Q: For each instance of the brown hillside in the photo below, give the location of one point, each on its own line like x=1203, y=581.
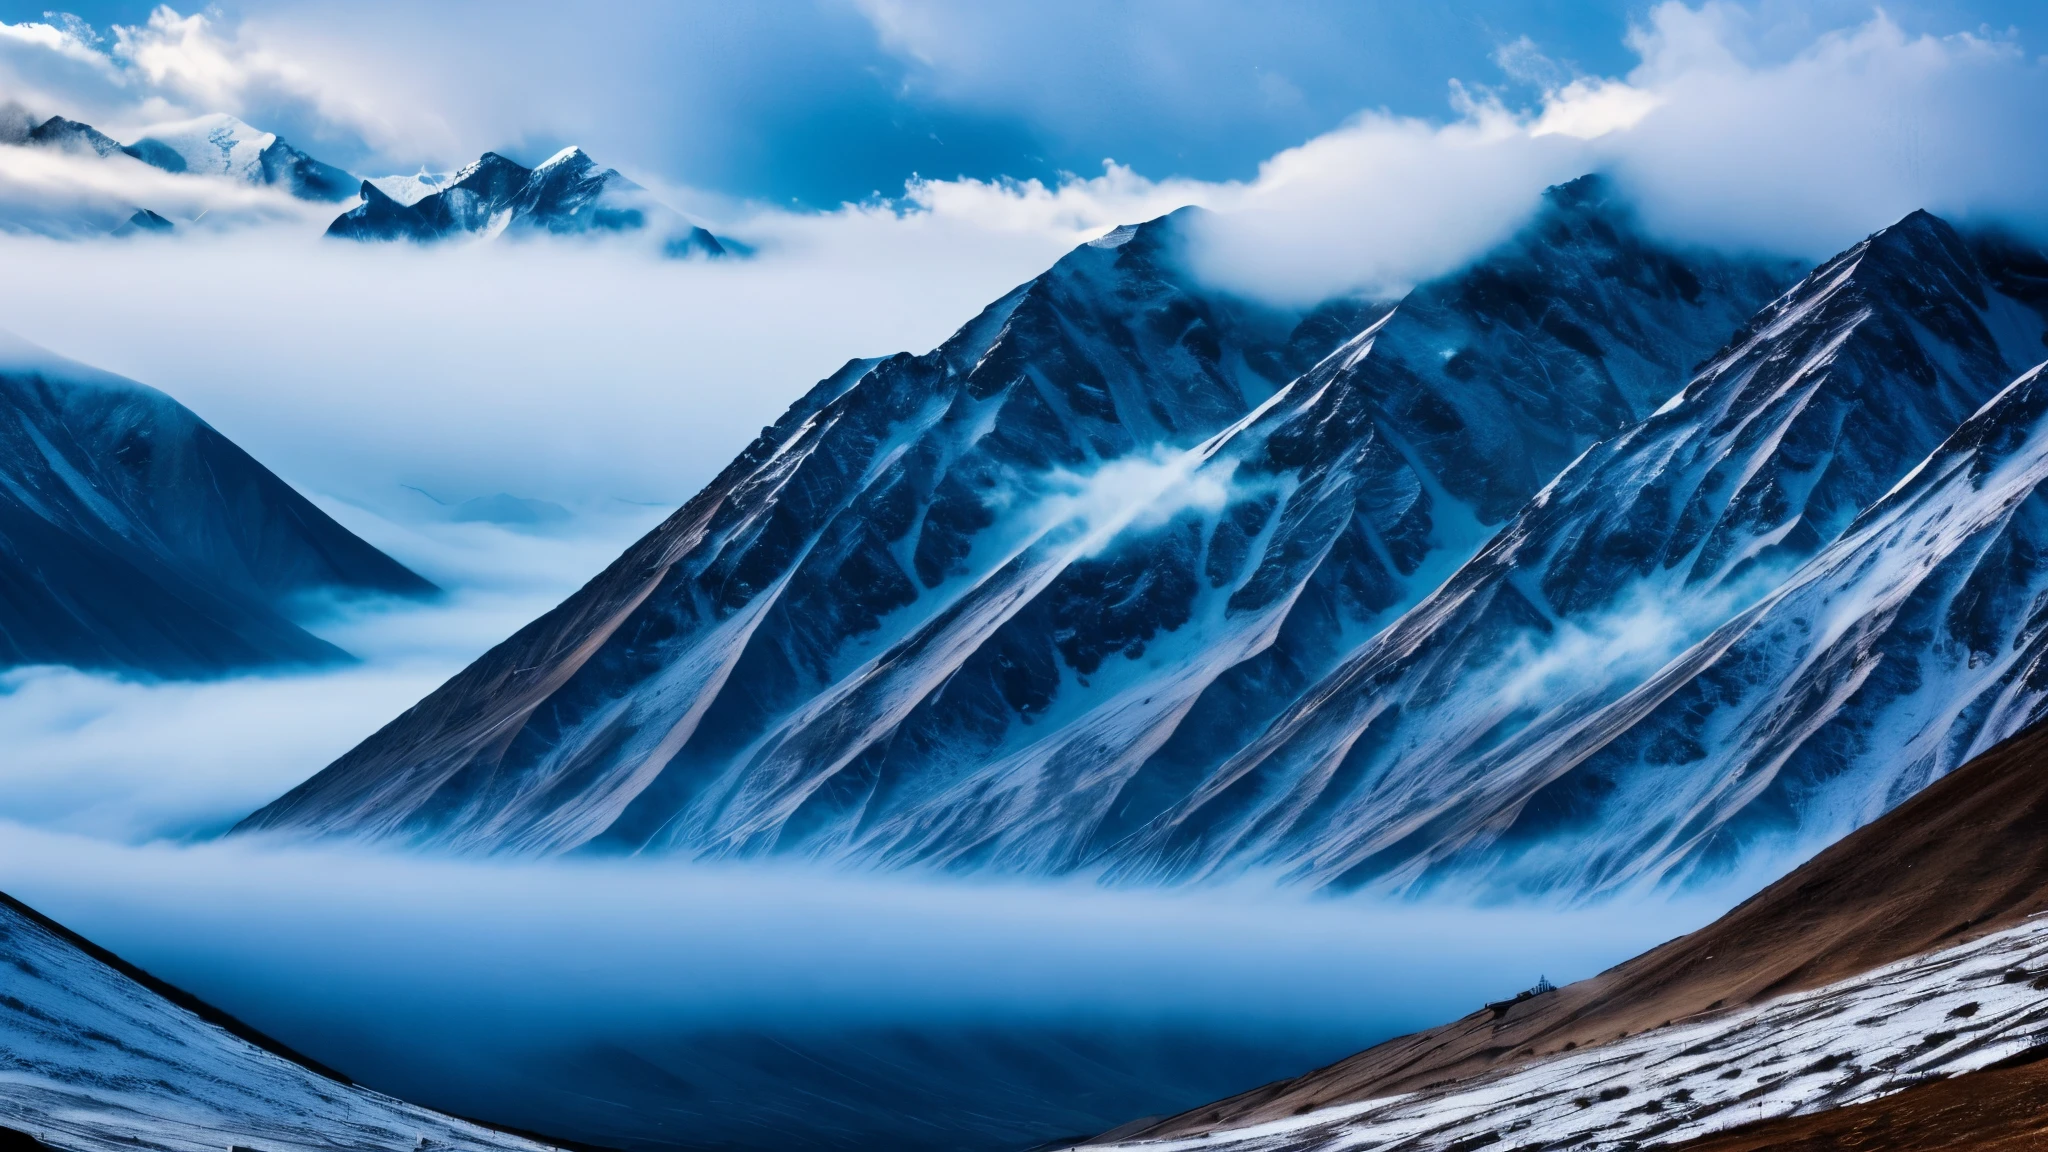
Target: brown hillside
x=1967, y=856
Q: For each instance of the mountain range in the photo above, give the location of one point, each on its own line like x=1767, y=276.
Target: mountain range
x=136, y=538
x=215, y=145
x=1510, y=585
x=1599, y=564
x=567, y=194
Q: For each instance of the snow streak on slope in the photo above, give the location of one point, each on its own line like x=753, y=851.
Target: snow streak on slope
x=1422, y=752
x=1913, y=643
x=999, y=605
x=92, y=1060
x=1936, y=1015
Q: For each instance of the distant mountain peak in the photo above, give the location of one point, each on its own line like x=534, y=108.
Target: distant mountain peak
x=135, y=537
x=213, y=145
x=566, y=194
x=60, y=132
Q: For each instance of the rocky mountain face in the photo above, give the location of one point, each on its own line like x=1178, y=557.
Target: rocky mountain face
x=1563, y=715
x=1011, y=603
x=566, y=194
x=135, y=537
x=57, y=132
x=98, y=1056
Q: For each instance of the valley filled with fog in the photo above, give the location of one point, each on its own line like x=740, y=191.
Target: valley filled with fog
x=979, y=587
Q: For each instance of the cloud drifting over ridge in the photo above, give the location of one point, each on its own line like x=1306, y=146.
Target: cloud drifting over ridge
x=575, y=374
x=1722, y=141
x=1719, y=144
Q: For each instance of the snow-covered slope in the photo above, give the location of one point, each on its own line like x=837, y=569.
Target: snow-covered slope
x=1912, y=643
x=1440, y=745
x=999, y=605
x=567, y=193
x=133, y=536
x=410, y=190
x=94, y=1057
x=220, y=145
x=1936, y=1015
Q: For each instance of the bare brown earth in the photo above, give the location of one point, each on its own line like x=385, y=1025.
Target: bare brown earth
x=1967, y=856
x=1996, y=1110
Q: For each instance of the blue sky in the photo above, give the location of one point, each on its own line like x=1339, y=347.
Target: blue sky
x=814, y=102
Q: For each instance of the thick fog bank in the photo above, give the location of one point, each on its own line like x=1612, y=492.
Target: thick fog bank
x=133, y=760
x=648, y=1002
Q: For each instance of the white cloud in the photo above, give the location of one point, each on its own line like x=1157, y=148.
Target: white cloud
x=574, y=373
x=79, y=194
x=133, y=761
x=1589, y=109
x=1807, y=154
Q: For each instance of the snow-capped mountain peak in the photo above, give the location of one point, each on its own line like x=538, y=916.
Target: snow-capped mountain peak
x=570, y=155
x=216, y=145
x=412, y=189
x=565, y=195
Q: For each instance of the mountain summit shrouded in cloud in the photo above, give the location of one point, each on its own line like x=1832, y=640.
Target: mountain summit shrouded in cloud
x=135, y=537
x=566, y=194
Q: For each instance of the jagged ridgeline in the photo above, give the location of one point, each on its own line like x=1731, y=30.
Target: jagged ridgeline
x=1014, y=603
x=1568, y=713
x=565, y=194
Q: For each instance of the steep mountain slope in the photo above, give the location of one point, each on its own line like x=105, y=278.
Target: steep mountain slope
x=567, y=193
x=96, y=1056
x=1499, y=727
x=1961, y=861
x=220, y=145
x=57, y=132
x=135, y=537
x=998, y=605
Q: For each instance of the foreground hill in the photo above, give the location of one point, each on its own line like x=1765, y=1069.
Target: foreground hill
x=95, y=1056
x=1005, y=604
x=136, y=538
x=1933, y=905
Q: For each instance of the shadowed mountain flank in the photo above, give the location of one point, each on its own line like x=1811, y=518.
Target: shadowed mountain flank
x=136, y=538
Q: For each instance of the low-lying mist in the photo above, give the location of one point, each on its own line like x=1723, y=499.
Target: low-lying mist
x=652, y=1002
x=133, y=760
x=673, y=993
